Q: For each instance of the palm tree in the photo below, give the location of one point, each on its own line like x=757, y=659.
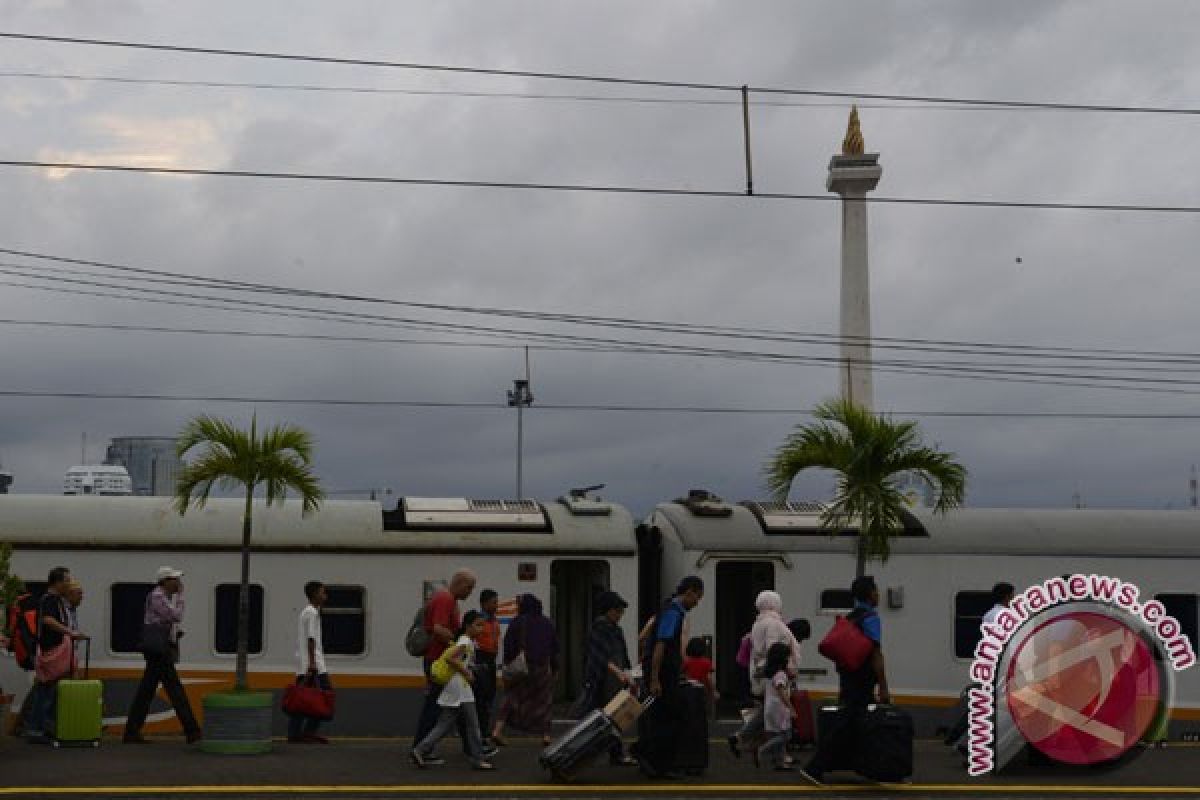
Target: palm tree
x=280, y=460
x=870, y=452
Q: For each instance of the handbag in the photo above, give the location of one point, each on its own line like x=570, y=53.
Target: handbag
x=156, y=641
x=440, y=670
x=56, y=663
x=306, y=698
x=517, y=669
x=846, y=645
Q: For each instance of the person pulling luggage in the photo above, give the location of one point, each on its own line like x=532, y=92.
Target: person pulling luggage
x=857, y=687
x=663, y=668
x=606, y=665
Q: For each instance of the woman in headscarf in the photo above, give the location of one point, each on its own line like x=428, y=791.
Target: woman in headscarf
x=606, y=665
x=769, y=628
x=527, y=703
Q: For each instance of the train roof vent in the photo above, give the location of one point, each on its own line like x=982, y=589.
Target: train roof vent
x=580, y=505
x=460, y=513
x=704, y=503
x=786, y=517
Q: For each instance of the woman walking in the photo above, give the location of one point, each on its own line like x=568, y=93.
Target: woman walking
x=527, y=701
x=606, y=666
x=769, y=628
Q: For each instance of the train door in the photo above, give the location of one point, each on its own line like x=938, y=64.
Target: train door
x=738, y=583
x=574, y=586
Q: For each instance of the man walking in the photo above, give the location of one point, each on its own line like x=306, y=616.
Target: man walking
x=310, y=662
x=663, y=667
x=162, y=620
x=856, y=688
x=53, y=629
x=442, y=621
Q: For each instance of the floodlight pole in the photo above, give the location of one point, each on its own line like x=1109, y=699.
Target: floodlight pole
x=520, y=397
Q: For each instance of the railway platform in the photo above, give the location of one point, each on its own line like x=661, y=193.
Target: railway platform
x=379, y=768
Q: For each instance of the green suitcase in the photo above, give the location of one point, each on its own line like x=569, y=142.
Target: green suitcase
x=79, y=710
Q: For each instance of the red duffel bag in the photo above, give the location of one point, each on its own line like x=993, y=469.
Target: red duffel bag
x=846, y=645
x=306, y=699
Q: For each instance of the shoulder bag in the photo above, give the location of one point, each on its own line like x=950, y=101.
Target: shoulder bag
x=517, y=669
x=56, y=663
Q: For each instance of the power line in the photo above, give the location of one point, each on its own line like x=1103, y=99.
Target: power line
x=408, y=91
x=591, y=407
x=956, y=347
x=600, y=188
x=587, y=78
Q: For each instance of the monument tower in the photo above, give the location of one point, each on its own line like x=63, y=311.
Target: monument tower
x=851, y=175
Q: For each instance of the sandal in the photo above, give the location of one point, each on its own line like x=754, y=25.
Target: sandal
x=499, y=741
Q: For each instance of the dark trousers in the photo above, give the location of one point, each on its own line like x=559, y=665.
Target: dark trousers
x=485, y=690
x=160, y=670
x=299, y=725
x=838, y=749
x=430, y=711
x=43, y=698
x=659, y=740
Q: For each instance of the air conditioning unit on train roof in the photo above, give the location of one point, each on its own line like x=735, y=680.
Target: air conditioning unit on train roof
x=789, y=517
x=580, y=505
x=704, y=503
x=461, y=513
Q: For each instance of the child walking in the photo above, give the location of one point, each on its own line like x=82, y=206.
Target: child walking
x=777, y=711
x=699, y=668
x=457, y=700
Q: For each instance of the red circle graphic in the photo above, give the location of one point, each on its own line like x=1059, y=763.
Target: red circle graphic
x=1083, y=687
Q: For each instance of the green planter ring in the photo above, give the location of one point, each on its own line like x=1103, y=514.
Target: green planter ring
x=237, y=723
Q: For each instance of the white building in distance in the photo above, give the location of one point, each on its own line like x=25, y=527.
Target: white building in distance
x=100, y=480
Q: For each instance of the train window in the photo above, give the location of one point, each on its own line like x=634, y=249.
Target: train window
x=1183, y=608
x=126, y=611
x=226, y=618
x=836, y=601
x=344, y=621
x=969, y=609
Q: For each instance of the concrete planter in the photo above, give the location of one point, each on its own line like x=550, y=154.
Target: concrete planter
x=237, y=723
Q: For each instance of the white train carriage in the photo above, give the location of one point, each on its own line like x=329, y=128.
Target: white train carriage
x=934, y=589
x=378, y=564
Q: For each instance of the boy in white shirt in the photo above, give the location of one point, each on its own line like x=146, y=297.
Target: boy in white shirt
x=310, y=662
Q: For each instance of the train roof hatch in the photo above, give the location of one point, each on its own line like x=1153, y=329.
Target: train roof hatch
x=786, y=517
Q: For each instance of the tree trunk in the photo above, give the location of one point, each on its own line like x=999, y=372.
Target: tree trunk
x=860, y=566
x=240, y=682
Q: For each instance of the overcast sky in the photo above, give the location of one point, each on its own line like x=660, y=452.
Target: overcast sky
x=1083, y=279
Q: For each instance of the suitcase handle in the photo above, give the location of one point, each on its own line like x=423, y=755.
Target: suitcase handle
x=87, y=657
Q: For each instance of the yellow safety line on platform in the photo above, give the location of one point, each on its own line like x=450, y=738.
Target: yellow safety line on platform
x=634, y=788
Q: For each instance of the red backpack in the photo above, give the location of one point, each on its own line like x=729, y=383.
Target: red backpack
x=22, y=621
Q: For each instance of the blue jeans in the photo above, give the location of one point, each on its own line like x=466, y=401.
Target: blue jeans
x=464, y=718
x=41, y=709
x=776, y=747
x=300, y=726
x=431, y=711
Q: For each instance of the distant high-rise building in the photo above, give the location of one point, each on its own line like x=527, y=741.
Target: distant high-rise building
x=150, y=460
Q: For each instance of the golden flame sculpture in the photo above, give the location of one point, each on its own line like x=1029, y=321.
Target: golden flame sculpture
x=853, y=144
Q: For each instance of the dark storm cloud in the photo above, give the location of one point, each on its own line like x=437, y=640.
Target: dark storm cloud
x=1084, y=279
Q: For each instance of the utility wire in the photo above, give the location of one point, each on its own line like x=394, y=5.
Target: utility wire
x=587, y=78
x=957, y=347
x=610, y=407
x=407, y=91
x=601, y=188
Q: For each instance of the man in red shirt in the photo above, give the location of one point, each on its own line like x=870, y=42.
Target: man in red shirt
x=442, y=621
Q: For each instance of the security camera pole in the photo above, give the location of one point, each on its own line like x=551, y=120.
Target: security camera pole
x=520, y=397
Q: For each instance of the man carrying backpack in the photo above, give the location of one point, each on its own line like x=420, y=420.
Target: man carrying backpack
x=856, y=687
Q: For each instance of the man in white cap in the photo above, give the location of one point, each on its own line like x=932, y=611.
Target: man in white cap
x=161, y=630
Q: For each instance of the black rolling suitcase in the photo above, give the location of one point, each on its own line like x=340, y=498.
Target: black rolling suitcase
x=578, y=747
x=835, y=736
x=885, y=744
x=691, y=754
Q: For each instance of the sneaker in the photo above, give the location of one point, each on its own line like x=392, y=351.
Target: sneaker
x=418, y=760
x=435, y=761
x=485, y=766
x=490, y=751
x=735, y=745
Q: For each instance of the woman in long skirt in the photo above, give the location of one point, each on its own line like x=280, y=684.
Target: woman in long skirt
x=527, y=702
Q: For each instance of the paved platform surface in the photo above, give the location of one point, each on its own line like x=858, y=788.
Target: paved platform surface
x=380, y=768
